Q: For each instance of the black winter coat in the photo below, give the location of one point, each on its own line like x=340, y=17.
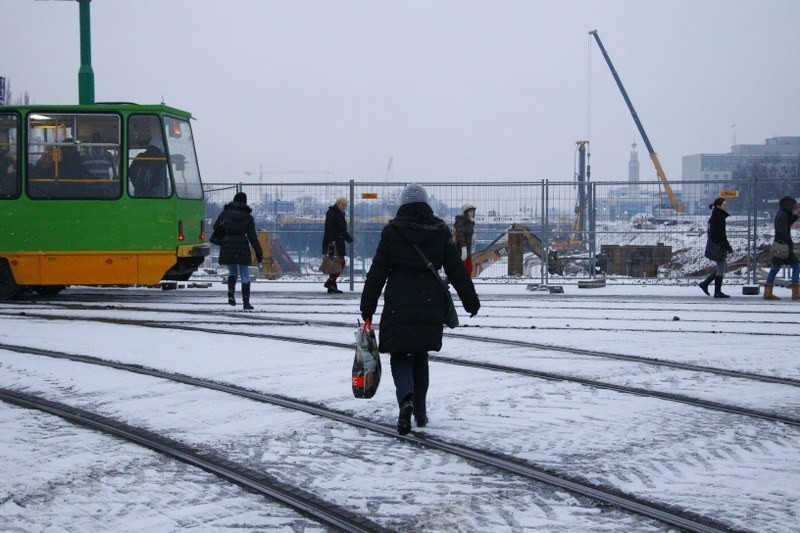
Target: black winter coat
x=784, y=220
x=414, y=301
x=240, y=234
x=716, y=228
x=464, y=230
x=335, y=230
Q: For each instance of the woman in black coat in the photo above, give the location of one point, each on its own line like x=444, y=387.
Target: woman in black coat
x=717, y=233
x=336, y=233
x=415, y=301
x=784, y=220
x=239, y=235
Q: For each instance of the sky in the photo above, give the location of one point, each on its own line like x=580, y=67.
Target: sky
x=742, y=471
x=426, y=90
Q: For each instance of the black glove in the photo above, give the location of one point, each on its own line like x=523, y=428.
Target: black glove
x=366, y=317
x=259, y=260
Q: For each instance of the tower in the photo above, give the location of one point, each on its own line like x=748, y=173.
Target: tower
x=633, y=172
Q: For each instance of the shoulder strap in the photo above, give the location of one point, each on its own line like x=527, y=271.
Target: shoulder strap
x=426, y=261
x=430, y=267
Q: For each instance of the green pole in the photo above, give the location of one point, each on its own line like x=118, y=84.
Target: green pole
x=85, y=74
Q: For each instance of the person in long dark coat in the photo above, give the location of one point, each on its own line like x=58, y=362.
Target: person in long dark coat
x=335, y=232
x=717, y=233
x=464, y=229
x=414, y=301
x=784, y=220
x=239, y=235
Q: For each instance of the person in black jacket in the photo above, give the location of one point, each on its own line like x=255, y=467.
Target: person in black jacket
x=415, y=301
x=784, y=219
x=464, y=229
x=239, y=229
x=335, y=232
x=717, y=233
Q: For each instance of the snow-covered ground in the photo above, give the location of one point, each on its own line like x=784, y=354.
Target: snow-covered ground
x=739, y=470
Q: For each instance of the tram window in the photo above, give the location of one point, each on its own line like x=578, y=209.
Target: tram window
x=148, y=176
x=74, y=156
x=9, y=170
x=183, y=158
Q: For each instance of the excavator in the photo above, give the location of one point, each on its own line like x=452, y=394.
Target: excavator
x=509, y=243
x=664, y=208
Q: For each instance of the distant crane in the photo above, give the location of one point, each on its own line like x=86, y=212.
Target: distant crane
x=677, y=206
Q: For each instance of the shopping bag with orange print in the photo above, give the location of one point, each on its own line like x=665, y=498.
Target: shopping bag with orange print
x=367, y=363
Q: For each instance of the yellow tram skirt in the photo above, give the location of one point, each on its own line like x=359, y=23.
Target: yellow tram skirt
x=91, y=268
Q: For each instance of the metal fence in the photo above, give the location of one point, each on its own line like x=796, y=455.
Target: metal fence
x=609, y=230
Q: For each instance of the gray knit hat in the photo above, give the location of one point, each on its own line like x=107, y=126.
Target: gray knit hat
x=414, y=192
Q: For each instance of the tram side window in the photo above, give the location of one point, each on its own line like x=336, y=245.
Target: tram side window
x=148, y=174
x=74, y=156
x=9, y=170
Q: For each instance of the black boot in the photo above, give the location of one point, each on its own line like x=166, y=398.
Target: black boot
x=246, y=296
x=706, y=282
x=231, y=289
x=718, y=288
x=404, y=420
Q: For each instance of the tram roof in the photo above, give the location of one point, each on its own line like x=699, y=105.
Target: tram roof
x=128, y=107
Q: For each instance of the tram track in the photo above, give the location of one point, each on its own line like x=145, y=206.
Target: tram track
x=539, y=374
x=258, y=482
x=260, y=318
x=309, y=504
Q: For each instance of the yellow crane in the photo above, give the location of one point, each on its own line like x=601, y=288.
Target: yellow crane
x=677, y=206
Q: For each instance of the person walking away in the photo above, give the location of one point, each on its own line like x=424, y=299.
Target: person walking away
x=784, y=219
x=718, y=234
x=335, y=232
x=464, y=229
x=239, y=235
x=415, y=301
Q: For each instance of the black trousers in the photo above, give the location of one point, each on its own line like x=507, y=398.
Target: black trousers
x=410, y=374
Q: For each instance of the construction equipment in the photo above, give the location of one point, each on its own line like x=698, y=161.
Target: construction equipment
x=673, y=201
x=512, y=243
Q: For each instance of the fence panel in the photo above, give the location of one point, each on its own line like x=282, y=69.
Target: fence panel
x=567, y=231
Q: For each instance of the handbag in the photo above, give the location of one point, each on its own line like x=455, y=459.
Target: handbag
x=331, y=264
x=715, y=250
x=450, y=318
x=367, y=363
x=217, y=234
x=779, y=250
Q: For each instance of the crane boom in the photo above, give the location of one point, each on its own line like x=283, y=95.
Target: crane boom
x=653, y=155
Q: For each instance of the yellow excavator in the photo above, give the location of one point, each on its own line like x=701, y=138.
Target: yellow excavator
x=515, y=240
x=673, y=201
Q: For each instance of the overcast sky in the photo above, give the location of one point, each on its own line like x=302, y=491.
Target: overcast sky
x=450, y=90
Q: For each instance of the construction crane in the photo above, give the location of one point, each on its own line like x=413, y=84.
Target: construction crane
x=677, y=206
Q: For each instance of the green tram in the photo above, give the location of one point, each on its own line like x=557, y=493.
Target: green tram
x=100, y=194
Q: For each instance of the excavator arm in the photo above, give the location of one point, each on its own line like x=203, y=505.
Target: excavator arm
x=677, y=206
x=499, y=248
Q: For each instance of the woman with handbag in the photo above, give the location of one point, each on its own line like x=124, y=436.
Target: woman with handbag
x=238, y=230
x=336, y=233
x=415, y=302
x=717, y=246
x=784, y=219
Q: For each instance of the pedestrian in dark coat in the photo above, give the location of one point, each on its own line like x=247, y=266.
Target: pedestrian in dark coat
x=717, y=233
x=784, y=220
x=464, y=229
x=336, y=233
x=415, y=301
x=239, y=235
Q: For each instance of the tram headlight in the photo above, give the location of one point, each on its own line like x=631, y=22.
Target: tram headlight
x=181, y=236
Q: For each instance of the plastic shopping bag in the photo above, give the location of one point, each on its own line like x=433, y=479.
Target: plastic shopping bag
x=367, y=363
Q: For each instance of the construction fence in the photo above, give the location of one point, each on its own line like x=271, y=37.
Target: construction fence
x=542, y=232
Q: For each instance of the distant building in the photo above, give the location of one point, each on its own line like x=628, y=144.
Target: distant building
x=711, y=169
